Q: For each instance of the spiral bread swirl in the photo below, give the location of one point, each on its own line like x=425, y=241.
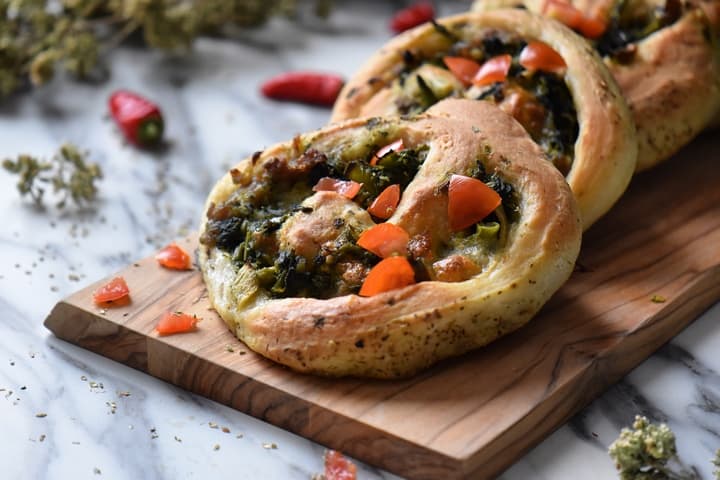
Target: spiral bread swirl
x=601, y=153
x=492, y=284
x=665, y=57
x=552, y=142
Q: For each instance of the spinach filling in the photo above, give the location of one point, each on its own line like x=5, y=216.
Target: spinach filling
x=560, y=128
x=631, y=21
x=246, y=225
x=551, y=119
x=395, y=167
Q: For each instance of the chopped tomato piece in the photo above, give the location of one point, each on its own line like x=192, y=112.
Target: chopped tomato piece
x=176, y=322
x=564, y=13
x=116, y=289
x=395, y=146
x=389, y=274
x=592, y=27
x=174, y=258
x=526, y=109
x=469, y=201
x=540, y=56
x=385, y=203
x=337, y=467
x=346, y=188
x=464, y=69
x=384, y=240
x=494, y=70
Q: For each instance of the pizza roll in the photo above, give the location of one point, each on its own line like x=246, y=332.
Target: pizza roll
x=307, y=272
x=664, y=55
x=563, y=95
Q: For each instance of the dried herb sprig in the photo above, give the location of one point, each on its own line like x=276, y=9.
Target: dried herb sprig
x=39, y=36
x=68, y=172
x=716, y=462
x=646, y=452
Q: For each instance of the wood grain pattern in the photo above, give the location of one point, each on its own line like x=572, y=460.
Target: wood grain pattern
x=474, y=415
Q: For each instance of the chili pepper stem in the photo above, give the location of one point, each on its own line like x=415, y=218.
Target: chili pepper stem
x=150, y=131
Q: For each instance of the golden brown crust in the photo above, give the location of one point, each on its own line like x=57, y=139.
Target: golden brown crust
x=672, y=84
x=711, y=8
x=672, y=87
x=605, y=151
x=400, y=332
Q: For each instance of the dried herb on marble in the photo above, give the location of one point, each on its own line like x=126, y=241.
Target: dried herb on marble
x=648, y=452
x=67, y=173
x=40, y=37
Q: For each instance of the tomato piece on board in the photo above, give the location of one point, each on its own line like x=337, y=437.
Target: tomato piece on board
x=494, y=70
x=385, y=240
x=176, y=322
x=174, y=258
x=564, y=13
x=346, y=188
x=337, y=467
x=390, y=274
x=541, y=56
x=395, y=146
x=469, y=201
x=113, y=291
x=385, y=204
x=463, y=68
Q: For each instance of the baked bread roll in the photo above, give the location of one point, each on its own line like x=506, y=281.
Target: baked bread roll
x=712, y=11
x=283, y=265
x=663, y=54
x=576, y=114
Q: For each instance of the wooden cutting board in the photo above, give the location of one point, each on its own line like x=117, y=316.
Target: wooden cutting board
x=475, y=415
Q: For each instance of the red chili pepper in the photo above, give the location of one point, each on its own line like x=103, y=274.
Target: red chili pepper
x=304, y=87
x=139, y=119
x=412, y=16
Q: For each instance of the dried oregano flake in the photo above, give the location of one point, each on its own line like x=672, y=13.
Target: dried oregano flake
x=67, y=172
x=40, y=37
x=648, y=452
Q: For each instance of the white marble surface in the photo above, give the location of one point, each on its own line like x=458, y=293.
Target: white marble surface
x=216, y=117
